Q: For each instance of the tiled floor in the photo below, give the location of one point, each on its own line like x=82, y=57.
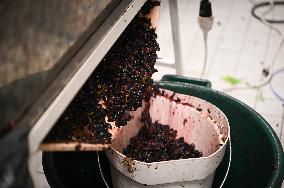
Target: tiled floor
x=238, y=45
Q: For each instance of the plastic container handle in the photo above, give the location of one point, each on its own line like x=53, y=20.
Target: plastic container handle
x=183, y=79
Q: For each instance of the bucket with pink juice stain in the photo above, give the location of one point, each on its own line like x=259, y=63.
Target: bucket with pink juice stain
x=197, y=120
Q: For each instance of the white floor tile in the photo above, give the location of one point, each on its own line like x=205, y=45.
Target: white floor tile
x=274, y=121
x=217, y=82
x=266, y=93
x=245, y=98
x=227, y=56
x=269, y=105
x=193, y=74
x=239, y=46
x=251, y=60
x=277, y=84
x=162, y=70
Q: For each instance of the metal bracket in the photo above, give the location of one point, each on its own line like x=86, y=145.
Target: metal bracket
x=89, y=56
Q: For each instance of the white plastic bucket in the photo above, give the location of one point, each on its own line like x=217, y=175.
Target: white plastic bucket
x=198, y=121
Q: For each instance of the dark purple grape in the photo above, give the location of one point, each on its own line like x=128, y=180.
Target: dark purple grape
x=121, y=80
x=156, y=142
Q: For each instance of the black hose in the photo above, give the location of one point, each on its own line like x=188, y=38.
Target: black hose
x=263, y=4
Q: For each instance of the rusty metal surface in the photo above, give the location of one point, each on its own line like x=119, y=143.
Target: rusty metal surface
x=35, y=37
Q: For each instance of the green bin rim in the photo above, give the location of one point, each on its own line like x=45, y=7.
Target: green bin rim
x=278, y=174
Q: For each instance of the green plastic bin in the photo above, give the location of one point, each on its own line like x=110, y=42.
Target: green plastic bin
x=257, y=155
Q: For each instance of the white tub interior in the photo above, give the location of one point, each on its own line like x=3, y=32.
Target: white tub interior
x=194, y=119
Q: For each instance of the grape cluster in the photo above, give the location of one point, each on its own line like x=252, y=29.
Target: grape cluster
x=156, y=142
x=117, y=86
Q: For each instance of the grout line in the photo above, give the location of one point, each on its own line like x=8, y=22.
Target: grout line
x=264, y=58
x=268, y=40
x=242, y=46
x=256, y=101
x=190, y=48
x=213, y=57
x=267, y=46
x=282, y=122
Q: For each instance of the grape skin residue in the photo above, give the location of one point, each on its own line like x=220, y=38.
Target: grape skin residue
x=116, y=87
x=156, y=142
